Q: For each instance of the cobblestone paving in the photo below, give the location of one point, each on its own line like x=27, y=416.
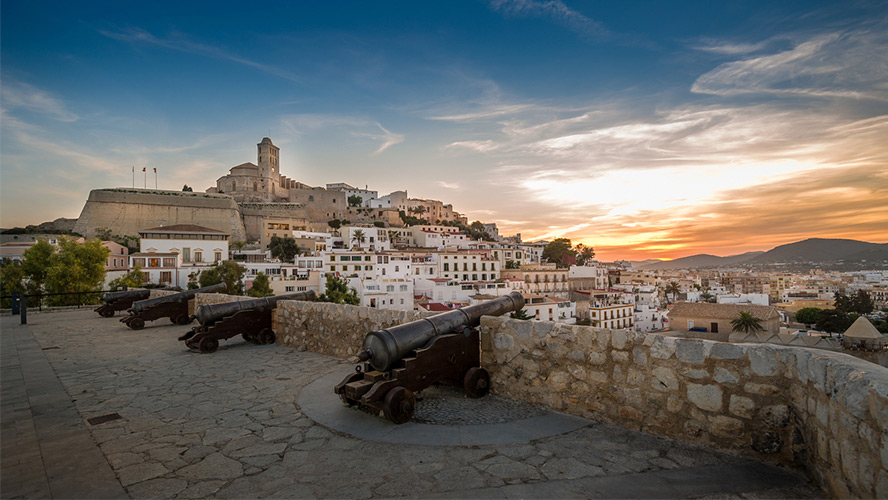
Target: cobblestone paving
x=450, y=406
x=226, y=425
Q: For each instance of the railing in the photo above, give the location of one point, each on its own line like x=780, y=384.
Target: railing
x=83, y=298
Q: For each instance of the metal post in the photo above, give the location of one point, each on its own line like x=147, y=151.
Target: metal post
x=24, y=312
x=16, y=302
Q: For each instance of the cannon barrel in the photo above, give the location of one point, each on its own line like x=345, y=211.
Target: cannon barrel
x=139, y=294
x=383, y=348
x=208, y=314
x=176, y=297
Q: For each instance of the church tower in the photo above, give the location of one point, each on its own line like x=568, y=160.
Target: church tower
x=269, y=161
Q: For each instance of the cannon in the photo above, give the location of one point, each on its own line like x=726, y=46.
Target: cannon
x=402, y=360
x=174, y=307
x=250, y=318
x=120, y=301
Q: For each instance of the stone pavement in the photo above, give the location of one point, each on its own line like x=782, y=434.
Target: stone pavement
x=229, y=425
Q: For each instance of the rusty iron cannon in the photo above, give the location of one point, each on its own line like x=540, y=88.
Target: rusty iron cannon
x=408, y=358
x=174, y=307
x=252, y=319
x=120, y=301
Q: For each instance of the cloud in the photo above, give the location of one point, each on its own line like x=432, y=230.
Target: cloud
x=21, y=95
x=178, y=42
x=387, y=138
x=729, y=48
x=448, y=185
x=479, y=146
x=555, y=11
x=299, y=125
x=848, y=64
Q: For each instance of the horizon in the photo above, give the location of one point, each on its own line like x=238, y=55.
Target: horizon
x=728, y=129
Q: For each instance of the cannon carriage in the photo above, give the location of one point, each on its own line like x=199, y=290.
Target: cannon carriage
x=405, y=359
x=120, y=301
x=252, y=319
x=174, y=307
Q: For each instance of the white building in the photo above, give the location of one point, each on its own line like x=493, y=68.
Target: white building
x=468, y=266
x=592, y=276
x=543, y=308
x=397, y=200
x=617, y=316
x=759, y=299
x=173, y=255
x=374, y=239
x=366, y=195
x=389, y=285
x=649, y=318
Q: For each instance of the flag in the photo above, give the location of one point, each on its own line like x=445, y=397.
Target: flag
x=143, y=169
x=155, y=170
x=134, y=169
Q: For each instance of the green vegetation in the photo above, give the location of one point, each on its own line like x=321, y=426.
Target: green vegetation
x=556, y=250
x=521, y=314
x=410, y=220
x=672, y=289
x=860, y=303
x=379, y=223
x=261, y=287
x=335, y=223
x=835, y=321
x=130, y=242
x=511, y=264
x=286, y=249
x=228, y=272
x=187, y=189
x=132, y=279
x=808, y=315
x=355, y=200
x=358, y=237
x=746, y=323
x=339, y=292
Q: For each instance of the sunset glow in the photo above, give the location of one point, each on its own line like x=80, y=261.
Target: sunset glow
x=730, y=129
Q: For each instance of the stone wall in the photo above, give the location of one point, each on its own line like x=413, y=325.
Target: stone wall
x=126, y=211
x=334, y=329
x=824, y=412
x=203, y=299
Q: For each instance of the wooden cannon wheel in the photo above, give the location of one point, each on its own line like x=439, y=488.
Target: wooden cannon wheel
x=136, y=323
x=476, y=383
x=107, y=313
x=182, y=319
x=267, y=336
x=399, y=405
x=208, y=345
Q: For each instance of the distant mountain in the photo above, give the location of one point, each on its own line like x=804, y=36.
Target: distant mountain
x=821, y=251
x=700, y=260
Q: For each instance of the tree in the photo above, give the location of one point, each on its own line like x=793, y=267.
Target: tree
x=521, y=314
x=335, y=223
x=186, y=188
x=261, y=287
x=673, y=289
x=36, y=262
x=228, y=272
x=556, y=250
x=358, y=237
x=11, y=280
x=808, y=315
x=746, y=323
x=286, y=249
x=132, y=279
x=355, y=200
x=511, y=264
x=862, y=303
x=76, y=267
x=584, y=254
x=338, y=292
x=707, y=297
x=834, y=321
x=842, y=302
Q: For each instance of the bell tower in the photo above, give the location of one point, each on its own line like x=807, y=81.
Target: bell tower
x=269, y=160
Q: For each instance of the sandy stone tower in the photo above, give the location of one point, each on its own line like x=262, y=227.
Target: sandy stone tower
x=269, y=161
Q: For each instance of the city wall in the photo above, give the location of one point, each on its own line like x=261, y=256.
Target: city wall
x=823, y=412
x=254, y=215
x=126, y=211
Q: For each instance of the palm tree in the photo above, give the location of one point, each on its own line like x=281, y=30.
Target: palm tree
x=358, y=237
x=584, y=254
x=672, y=288
x=746, y=323
x=520, y=314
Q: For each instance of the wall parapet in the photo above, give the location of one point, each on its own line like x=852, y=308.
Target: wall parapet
x=824, y=412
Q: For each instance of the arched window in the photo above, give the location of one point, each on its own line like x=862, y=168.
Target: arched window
x=255, y=186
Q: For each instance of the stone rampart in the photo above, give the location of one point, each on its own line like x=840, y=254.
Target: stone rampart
x=334, y=329
x=824, y=412
x=126, y=211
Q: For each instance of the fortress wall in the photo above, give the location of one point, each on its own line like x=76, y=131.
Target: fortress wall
x=823, y=412
x=321, y=204
x=127, y=211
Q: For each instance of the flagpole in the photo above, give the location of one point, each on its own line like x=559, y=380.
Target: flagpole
x=155, y=177
x=134, y=176
x=145, y=177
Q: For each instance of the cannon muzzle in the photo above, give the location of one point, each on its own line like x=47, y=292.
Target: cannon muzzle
x=208, y=314
x=176, y=297
x=383, y=348
x=138, y=294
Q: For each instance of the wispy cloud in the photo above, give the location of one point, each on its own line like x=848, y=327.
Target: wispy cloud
x=181, y=43
x=555, y=11
x=479, y=146
x=302, y=124
x=850, y=64
x=21, y=95
x=448, y=185
x=730, y=48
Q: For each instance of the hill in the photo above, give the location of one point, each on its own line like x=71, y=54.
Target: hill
x=700, y=260
x=823, y=251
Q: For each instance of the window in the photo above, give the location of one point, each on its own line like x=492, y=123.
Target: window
x=332, y=258
x=403, y=289
x=390, y=288
x=301, y=288
x=217, y=256
x=290, y=289
x=166, y=276
x=332, y=268
x=186, y=255
x=397, y=269
x=198, y=256
x=446, y=266
x=344, y=268
x=474, y=277
x=366, y=258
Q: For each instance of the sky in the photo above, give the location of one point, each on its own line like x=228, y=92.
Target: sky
x=646, y=129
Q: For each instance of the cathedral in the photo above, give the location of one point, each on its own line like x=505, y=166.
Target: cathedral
x=261, y=182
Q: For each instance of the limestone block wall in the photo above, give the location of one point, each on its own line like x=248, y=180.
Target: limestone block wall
x=334, y=329
x=817, y=410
